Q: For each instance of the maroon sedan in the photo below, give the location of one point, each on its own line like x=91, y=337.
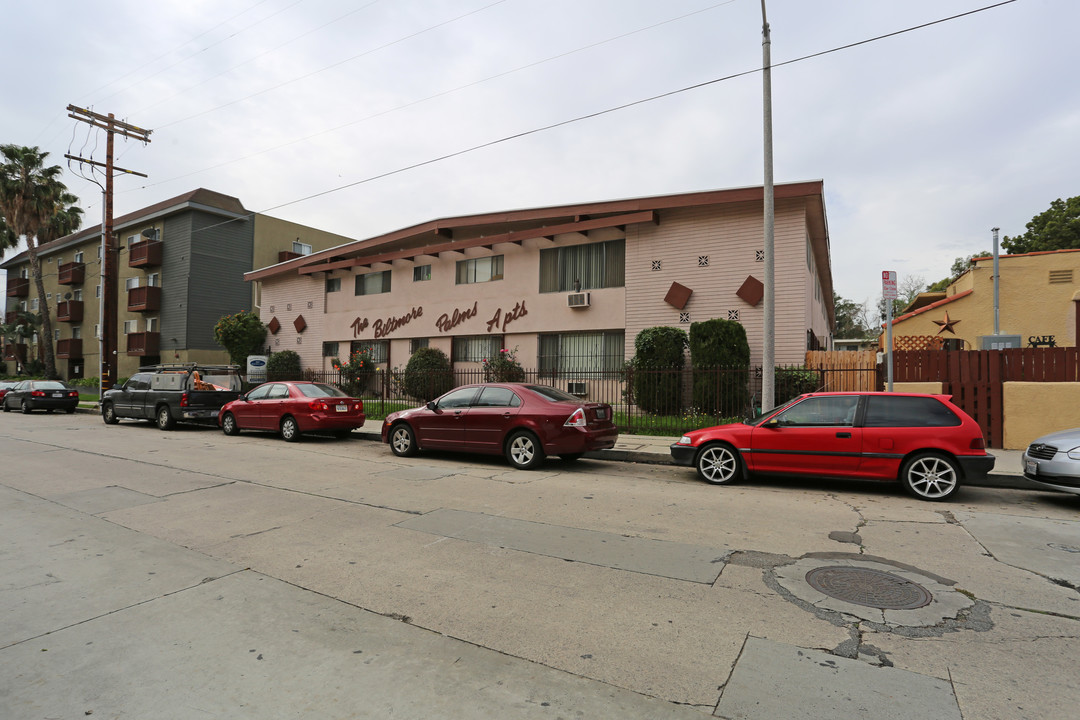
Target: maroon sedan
x=925, y=441
x=523, y=422
x=293, y=408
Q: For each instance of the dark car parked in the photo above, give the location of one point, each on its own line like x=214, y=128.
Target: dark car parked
x=6, y=385
x=47, y=395
x=925, y=441
x=293, y=408
x=523, y=422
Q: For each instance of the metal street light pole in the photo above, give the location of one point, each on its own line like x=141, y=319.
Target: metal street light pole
x=768, y=354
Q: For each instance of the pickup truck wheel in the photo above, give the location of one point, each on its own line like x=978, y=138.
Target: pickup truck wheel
x=108, y=414
x=165, y=420
x=289, y=429
x=228, y=425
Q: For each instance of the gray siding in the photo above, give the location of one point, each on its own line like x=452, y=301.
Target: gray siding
x=220, y=254
x=176, y=250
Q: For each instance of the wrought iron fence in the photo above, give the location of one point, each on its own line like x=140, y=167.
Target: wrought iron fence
x=644, y=401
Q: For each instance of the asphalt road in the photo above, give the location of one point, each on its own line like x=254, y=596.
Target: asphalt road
x=186, y=574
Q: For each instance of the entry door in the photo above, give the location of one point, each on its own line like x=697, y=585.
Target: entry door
x=814, y=437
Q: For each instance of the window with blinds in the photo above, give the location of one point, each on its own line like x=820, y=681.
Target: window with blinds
x=582, y=352
x=583, y=267
x=476, y=348
x=478, y=270
x=377, y=350
x=373, y=283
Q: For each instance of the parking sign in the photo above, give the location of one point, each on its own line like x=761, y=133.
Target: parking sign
x=888, y=284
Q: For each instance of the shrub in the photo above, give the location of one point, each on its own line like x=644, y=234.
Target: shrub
x=428, y=374
x=284, y=365
x=720, y=356
x=356, y=373
x=241, y=335
x=656, y=369
x=792, y=382
x=504, y=367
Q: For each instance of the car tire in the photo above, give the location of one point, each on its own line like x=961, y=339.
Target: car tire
x=6, y=408
x=523, y=450
x=289, y=429
x=108, y=414
x=48, y=411
x=718, y=464
x=25, y=407
x=930, y=476
x=228, y=424
x=570, y=457
x=402, y=440
x=342, y=434
x=164, y=418
x=70, y=411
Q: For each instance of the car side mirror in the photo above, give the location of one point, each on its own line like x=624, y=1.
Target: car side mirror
x=771, y=423
x=431, y=405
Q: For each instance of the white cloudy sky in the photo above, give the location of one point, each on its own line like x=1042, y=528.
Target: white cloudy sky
x=925, y=140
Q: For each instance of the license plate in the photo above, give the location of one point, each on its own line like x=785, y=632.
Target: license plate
x=214, y=413
x=1031, y=468
x=601, y=414
x=58, y=394
x=343, y=408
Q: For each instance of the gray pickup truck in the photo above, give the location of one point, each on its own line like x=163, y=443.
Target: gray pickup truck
x=168, y=394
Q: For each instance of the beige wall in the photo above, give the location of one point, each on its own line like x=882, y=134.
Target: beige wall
x=930, y=388
x=1036, y=409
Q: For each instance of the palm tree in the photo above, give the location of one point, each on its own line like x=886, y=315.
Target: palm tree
x=34, y=204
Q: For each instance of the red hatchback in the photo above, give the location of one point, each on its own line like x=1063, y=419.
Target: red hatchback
x=523, y=422
x=924, y=441
x=293, y=408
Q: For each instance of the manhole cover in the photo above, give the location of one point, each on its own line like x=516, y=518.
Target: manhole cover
x=869, y=588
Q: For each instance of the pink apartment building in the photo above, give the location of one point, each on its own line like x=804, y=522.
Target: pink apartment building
x=569, y=287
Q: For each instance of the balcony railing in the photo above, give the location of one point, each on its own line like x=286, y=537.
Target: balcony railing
x=15, y=352
x=144, y=299
x=69, y=348
x=18, y=287
x=143, y=343
x=70, y=311
x=145, y=254
x=72, y=273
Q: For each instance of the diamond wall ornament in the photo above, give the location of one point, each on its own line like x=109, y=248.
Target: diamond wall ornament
x=299, y=323
x=274, y=326
x=678, y=295
x=752, y=291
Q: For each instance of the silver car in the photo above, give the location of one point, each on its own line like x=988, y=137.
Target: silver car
x=1053, y=461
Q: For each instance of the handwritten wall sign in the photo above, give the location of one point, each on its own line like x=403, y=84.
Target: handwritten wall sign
x=358, y=326
x=1042, y=341
x=499, y=321
x=385, y=327
x=446, y=323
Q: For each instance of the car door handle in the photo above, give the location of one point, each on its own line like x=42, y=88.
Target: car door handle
x=843, y=434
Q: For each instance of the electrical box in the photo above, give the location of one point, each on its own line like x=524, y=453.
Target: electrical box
x=999, y=342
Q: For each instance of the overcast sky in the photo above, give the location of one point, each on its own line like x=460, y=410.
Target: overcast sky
x=925, y=140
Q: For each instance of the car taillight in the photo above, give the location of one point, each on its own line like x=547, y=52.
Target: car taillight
x=359, y=407
x=318, y=405
x=978, y=443
x=73, y=393
x=184, y=400
x=577, y=419
x=38, y=393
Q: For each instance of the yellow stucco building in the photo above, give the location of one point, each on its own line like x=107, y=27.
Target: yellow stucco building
x=1039, y=301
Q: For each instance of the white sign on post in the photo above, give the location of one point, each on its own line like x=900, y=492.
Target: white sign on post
x=888, y=284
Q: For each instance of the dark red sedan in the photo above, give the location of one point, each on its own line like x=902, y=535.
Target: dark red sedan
x=521, y=421
x=293, y=408
x=925, y=441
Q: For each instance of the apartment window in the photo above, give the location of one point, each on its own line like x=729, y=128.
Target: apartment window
x=373, y=283
x=583, y=267
x=76, y=332
x=79, y=257
x=582, y=352
x=333, y=285
x=421, y=273
x=98, y=252
x=301, y=248
x=97, y=331
x=56, y=335
x=329, y=349
x=417, y=343
x=76, y=295
x=153, y=279
x=131, y=283
x=475, y=348
x=22, y=305
x=24, y=273
x=151, y=324
x=478, y=270
x=377, y=350
x=97, y=291
x=48, y=296
x=132, y=239
x=34, y=304
x=131, y=326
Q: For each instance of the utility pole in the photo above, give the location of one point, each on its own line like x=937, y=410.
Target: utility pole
x=110, y=248
x=768, y=353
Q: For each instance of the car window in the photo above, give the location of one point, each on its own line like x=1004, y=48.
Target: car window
x=901, y=411
x=497, y=397
x=316, y=390
x=554, y=394
x=50, y=385
x=259, y=393
x=459, y=398
x=828, y=410
x=278, y=392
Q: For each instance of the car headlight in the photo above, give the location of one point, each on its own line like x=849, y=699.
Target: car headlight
x=1074, y=453
x=685, y=440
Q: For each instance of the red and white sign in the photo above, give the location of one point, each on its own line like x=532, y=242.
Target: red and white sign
x=888, y=284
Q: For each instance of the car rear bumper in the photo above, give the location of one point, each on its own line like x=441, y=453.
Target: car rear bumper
x=330, y=421
x=52, y=403
x=976, y=466
x=581, y=440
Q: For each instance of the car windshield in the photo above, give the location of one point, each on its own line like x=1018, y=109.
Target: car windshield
x=317, y=390
x=757, y=420
x=553, y=394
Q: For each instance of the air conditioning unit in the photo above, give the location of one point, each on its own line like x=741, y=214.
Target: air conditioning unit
x=577, y=387
x=577, y=300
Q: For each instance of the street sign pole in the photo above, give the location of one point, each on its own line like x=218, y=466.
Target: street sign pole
x=888, y=291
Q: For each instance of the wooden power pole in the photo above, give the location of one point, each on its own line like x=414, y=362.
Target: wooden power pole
x=110, y=246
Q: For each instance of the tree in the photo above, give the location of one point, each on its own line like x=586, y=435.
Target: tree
x=852, y=321
x=35, y=205
x=906, y=292
x=22, y=328
x=960, y=266
x=1058, y=228
x=241, y=335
